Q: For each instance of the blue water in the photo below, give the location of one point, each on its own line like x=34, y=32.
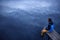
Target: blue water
x=12, y=29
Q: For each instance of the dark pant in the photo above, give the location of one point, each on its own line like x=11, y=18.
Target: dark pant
x=48, y=38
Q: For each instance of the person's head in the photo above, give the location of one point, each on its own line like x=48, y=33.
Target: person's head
x=50, y=21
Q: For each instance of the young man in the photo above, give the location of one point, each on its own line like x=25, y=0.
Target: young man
x=49, y=28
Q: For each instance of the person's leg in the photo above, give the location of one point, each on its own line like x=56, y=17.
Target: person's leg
x=43, y=32
x=49, y=38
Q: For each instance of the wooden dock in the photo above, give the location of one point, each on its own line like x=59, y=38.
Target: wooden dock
x=54, y=35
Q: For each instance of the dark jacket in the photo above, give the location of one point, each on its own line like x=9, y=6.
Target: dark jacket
x=50, y=27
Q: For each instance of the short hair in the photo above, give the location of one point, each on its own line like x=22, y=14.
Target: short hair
x=49, y=19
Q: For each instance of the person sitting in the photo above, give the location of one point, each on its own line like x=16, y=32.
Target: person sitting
x=49, y=28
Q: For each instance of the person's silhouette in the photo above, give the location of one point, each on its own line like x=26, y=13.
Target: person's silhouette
x=49, y=28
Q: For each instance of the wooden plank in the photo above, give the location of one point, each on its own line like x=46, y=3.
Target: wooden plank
x=52, y=36
x=56, y=34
